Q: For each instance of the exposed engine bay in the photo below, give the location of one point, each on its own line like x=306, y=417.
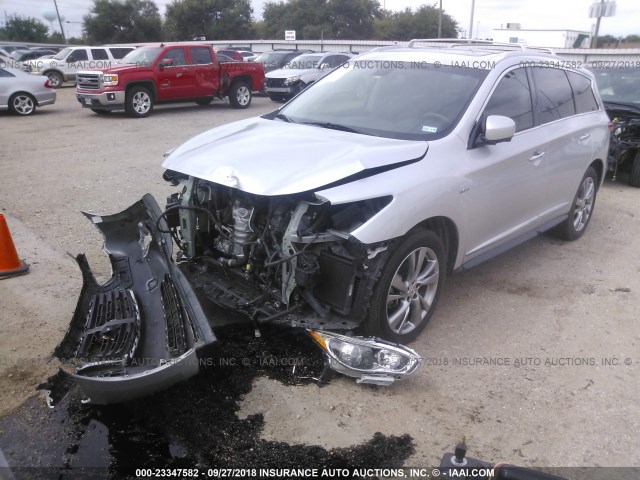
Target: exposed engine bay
x=286, y=259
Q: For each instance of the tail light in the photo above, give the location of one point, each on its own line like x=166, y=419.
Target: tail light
x=610, y=127
x=47, y=83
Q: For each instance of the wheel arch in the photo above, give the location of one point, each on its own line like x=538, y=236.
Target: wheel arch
x=149, y=85
x=447, y=231
x=598, y=166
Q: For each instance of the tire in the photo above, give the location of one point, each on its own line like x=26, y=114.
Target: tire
x=55, y=78
x=240, y=95
x=582, y=210
x=22, y=104
x=100, y=112
x=634, y=175
x=407, y=292
x=204, y=101
x=138, y=102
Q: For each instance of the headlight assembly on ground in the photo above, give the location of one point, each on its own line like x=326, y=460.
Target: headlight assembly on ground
x=368, y=359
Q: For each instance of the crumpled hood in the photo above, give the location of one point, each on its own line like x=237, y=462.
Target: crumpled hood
x=272, y=157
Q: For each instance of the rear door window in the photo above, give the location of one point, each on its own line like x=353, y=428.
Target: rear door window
x=78, y=56
x=99, y=54
x=554, y=95
x=200, y=55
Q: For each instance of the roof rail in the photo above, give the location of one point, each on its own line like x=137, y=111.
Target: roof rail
x=457, y=42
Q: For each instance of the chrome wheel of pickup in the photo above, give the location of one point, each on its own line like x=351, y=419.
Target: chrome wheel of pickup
x=139, y=102
x=240, y=95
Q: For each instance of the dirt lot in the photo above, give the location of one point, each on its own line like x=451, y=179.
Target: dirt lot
x=557, y=320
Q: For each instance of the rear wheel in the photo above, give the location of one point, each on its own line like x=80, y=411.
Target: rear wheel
x=405, y=297
x=22, y=104
x=55, y=78
x=139, y=102
x=634, y=176
x=583, y=204
x=240, y=95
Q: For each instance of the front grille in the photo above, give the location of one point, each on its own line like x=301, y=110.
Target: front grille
x=274, y=83
x=112, y=327
x=88, y=81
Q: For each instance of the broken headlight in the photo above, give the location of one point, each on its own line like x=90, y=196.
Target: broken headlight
x=368, y=359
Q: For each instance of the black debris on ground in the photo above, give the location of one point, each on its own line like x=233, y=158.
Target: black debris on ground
x=191, y=425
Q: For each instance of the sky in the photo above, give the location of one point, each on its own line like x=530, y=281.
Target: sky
x=488, y=14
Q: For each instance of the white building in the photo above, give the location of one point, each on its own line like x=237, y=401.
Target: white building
x=542, y=38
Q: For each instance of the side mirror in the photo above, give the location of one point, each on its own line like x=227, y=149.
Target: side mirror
x=165, y=62
x=497, y=129
x=324, y=66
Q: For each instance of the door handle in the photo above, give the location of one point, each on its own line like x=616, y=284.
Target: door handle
x=585, y=136
x=536, y=156
x=178, y=75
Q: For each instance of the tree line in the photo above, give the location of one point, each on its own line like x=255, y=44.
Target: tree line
x=136, y=21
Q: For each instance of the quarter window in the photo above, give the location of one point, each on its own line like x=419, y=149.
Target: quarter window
x=555, y=98
x=118, y=53
x=512, y=98
x=582, y=93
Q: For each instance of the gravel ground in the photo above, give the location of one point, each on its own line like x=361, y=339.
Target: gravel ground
x=558, y=321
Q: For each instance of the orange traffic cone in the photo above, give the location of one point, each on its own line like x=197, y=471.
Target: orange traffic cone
x=10, y=264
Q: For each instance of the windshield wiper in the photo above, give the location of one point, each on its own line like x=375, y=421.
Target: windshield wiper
x=333, y=126
x=283, y=117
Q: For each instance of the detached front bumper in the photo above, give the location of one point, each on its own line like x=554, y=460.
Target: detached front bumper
x=102, y=101
x=138, y=333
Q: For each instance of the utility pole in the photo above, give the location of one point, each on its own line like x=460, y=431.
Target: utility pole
x=473, y=7
x=64, y=39
x=594, y=40
x=440, y=21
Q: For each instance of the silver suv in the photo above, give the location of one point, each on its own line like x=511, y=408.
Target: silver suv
x=345, y=210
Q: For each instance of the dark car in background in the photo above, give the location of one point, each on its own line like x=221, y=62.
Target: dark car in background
x=24, y=55
x=620, y=91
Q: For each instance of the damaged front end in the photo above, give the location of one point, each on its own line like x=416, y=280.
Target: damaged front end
x=285, y=259
x=138, y=333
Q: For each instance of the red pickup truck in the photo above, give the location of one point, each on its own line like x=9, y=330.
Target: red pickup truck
x=167, y=73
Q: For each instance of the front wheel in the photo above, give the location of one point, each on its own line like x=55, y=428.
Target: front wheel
x=138, y=102
x=406, y=294
x=583, y=204
x=22, y=104
x=240, y=95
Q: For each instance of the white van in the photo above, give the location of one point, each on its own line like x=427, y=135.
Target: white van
x=64, y=66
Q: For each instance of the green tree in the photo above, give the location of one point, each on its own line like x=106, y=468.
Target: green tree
x=606, y=39
x=212, y=19
x=331, y=19
x=632, y=39
x=407, y=24
x=128, y=21
x=24, y=29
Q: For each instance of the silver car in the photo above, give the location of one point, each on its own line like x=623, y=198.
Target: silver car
x=21, y=93
x=300, y=72
x=344, y=211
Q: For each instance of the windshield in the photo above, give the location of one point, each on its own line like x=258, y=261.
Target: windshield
x=62, y=53
x=620, y=85
x=388, y=99
x=304, y=62
x=142, y=56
